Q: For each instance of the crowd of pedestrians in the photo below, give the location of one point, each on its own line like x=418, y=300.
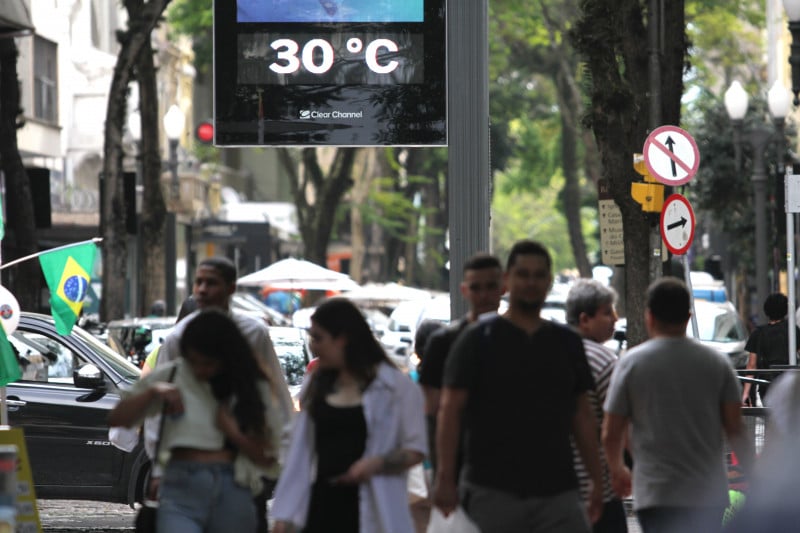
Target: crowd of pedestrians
x=527, y=425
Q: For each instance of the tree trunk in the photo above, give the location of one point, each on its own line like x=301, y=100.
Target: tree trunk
x=154, y=211
x=23, y=279
x=610, y=35
x=316, y=218
x=569, y=165
x=359, y=197
x=434, y=236
x=143, y=18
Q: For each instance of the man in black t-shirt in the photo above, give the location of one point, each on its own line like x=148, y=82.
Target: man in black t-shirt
x=768, y=345
x=520, y=384
x=482, y=288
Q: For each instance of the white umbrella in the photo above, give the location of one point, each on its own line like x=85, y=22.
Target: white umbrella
x=295, y=274
x=389, y=293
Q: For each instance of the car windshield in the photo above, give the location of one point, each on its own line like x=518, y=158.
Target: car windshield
x=719, y=325
x=109, y=356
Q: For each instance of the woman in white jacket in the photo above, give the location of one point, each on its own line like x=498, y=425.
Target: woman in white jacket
x=362, y=427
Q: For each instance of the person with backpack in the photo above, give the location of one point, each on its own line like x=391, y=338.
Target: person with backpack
x=768, y=345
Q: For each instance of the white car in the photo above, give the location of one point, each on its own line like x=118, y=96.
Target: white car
x=719, y=326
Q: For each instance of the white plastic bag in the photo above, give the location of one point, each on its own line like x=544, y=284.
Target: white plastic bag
x=125, y=439
x=457, y=522
x=417, y=489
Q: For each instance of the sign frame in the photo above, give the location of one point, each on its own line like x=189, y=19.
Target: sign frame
x=665, y=228
x=345, y=104
x=675, y=161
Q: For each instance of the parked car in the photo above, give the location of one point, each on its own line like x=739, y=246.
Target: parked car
x=291, y=347
x=719, y=327
x=250, y=304
x=69, y=385
x=398, y=336
x=135, y=338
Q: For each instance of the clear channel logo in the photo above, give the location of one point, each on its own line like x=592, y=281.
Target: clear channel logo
x=309, y=114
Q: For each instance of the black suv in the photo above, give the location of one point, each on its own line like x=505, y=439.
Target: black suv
x=69, y=385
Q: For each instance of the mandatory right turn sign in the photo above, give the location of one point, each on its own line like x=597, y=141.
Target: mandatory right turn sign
x=677, y=224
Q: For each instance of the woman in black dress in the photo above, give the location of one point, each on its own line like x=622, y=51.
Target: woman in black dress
x=361, y=428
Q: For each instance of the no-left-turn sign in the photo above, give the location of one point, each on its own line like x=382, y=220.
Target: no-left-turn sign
x=671, y=155
x=677, y=224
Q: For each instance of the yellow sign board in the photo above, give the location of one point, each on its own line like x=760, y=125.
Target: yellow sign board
x=27, y=512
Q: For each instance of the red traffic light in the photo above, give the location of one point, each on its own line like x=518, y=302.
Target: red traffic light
x=205, y=132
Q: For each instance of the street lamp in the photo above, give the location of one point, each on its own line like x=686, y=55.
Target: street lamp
x=736, y=101
x=758, y=138
x=174, y=122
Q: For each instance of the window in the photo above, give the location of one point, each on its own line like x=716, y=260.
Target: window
x=44, y=359
x=45, y=80
x=105, y=24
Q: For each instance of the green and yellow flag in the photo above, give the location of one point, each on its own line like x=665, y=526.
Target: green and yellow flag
x=68, y=273
x=9, y=367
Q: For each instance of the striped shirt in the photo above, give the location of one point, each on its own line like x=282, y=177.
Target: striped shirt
x=601, y=362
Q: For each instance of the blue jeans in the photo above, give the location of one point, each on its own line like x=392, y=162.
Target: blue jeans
x=203, y=498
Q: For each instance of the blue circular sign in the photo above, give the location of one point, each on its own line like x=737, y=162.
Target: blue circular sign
x=75, y=288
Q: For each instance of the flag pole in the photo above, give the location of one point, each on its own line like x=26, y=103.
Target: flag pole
x=37, y=254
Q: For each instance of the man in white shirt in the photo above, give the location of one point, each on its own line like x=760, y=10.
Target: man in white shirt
x=214, y=284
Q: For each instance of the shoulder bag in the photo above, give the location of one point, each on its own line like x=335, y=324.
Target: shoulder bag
x=146, y=517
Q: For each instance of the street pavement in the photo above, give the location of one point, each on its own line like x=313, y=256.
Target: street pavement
x=67, y=516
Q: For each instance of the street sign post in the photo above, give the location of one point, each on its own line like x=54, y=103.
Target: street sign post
x=677, y=231
x=671, y=155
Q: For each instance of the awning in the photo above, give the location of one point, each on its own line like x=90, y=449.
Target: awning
x=15, y=18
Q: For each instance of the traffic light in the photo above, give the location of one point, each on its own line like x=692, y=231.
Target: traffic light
x=204, y=132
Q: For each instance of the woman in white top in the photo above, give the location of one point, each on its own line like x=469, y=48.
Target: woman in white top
x=221, y=431
x=362, y=427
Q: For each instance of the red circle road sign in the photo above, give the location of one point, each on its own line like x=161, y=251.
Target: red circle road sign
x=671, y=155
x=677, y=224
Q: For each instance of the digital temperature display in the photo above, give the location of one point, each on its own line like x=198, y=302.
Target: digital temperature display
x=337, y=59
x=330, y=72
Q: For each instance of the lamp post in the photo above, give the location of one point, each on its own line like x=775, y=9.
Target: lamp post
x=174, y=122
x=135, y=129
x=758, y=137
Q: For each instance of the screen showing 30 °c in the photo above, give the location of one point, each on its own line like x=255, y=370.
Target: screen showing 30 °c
x=330, y=72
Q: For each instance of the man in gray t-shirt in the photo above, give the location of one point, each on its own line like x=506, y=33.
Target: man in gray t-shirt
x=680, y=398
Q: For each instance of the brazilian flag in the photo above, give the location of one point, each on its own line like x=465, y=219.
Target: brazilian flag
x=68, y=272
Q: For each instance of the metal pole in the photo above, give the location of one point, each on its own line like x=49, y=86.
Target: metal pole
x=790, y=265
x=137, y=294
x=759, y=138
x=791, y=284
x=654, y=70
x=468, y=180
x=170, y=239
x=688, y=276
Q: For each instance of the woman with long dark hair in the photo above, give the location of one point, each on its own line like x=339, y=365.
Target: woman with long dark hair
x=362, y=427
x=221, y=429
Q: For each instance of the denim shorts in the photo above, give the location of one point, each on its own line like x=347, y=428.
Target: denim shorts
x=203, y=498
